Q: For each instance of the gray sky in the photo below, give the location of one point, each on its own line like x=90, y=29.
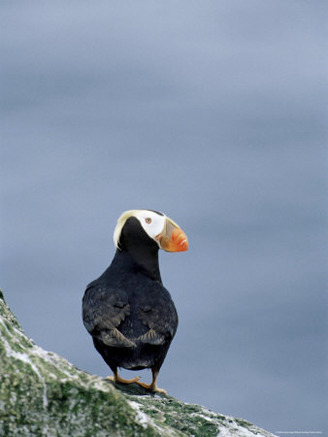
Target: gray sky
x=213, y=112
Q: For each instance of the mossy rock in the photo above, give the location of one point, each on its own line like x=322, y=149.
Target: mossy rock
x=42, y=394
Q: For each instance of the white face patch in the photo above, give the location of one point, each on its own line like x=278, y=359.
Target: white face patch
x=152, y=223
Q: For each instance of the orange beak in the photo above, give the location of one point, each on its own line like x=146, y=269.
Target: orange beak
x=172, y=238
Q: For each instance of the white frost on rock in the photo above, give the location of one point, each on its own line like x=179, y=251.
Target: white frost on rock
x=25, y=358
x=235, y=429
x=146, y=420
x=142, y=418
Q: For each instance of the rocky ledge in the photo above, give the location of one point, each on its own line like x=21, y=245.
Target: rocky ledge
x=42, y=394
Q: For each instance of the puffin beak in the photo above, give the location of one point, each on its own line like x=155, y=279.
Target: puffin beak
x=172, y=238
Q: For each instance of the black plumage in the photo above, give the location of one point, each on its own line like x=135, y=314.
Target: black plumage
x=127, y=310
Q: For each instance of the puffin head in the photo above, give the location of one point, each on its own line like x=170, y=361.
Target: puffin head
x=150, y=228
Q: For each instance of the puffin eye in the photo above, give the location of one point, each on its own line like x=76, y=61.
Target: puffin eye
x=148, y=220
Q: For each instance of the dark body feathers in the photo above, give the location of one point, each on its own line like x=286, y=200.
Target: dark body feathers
x=128, y=312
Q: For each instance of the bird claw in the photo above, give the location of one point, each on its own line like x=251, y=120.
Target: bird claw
x=161, y=390
x=152, y=387
x=118, y=380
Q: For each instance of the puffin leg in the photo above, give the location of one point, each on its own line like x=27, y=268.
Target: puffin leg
x=118, y=380
x=153, y=385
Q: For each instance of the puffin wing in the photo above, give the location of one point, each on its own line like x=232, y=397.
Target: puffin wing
x=161, y=318
x=103, y=311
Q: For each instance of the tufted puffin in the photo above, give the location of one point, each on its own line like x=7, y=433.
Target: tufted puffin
x=127, y=310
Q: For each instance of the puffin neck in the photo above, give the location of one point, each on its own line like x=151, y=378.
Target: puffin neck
x=137, y=253
x=138, y=260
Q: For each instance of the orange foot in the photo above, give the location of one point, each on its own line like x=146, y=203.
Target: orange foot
x=152, y=387
x=118, y=380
